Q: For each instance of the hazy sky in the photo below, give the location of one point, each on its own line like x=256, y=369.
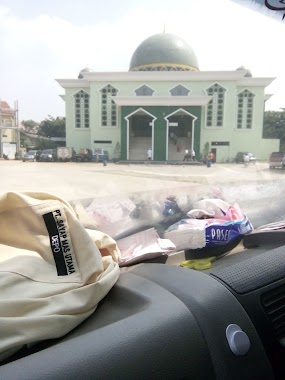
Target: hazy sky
x=44, y=40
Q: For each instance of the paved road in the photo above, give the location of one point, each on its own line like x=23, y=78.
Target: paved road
x=79, y=180
x=254, y=187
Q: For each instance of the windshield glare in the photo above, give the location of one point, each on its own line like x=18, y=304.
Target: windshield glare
x=184, y=108
x=142, y=146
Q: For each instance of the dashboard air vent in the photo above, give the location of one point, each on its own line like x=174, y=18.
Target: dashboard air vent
x=273, y=303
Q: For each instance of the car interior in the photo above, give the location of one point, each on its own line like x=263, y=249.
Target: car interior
x=167, y=322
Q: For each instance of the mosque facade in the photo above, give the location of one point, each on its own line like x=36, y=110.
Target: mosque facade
x=164, y=102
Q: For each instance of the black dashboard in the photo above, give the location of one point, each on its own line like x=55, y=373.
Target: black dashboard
x=168, y=322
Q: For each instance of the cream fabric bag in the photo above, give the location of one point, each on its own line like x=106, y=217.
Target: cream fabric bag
x=52, y=273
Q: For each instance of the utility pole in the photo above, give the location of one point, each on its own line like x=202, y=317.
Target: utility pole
x=17, y=126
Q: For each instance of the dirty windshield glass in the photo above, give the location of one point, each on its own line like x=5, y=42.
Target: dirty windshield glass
x=148, y=115
x=142, y=210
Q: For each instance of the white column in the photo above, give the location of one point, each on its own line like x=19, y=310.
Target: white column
x=192, y=136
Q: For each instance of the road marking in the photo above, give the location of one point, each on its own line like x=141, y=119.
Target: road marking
x=169, y=174
x=228, y=169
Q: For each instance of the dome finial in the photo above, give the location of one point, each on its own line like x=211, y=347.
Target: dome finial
x=164, y=28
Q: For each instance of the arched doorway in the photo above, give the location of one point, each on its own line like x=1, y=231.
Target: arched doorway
x=180, y=134
x=140, y=126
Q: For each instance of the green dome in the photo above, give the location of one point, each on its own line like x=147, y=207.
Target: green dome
x=164, y=52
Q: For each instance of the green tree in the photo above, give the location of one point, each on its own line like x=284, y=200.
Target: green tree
x=52, y=127
x=30, y=125
x=42, y=144
x=274, y=126
x=206, y=149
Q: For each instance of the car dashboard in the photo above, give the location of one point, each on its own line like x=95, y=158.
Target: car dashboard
x=167, y=322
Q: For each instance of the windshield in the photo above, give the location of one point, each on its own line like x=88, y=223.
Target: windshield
x=187, y=108
x=142, y=208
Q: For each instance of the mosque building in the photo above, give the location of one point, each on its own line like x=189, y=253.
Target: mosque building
x=164, y=102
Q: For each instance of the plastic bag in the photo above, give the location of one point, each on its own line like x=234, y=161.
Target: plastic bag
x=219, y=224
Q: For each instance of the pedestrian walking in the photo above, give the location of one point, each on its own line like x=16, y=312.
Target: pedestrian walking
x=186, y=155
x=209, y=159
x=246, y=159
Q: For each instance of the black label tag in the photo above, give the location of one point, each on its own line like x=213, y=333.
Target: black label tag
x=59, y=243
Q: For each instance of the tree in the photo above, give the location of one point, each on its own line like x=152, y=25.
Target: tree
x=52, y=127
x=42, y=144
x=30, y=126
x=274, y=126
x=206, y=149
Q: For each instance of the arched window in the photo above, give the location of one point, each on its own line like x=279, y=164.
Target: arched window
x=108, y=106
x=215, y=108
x=81, y=99
x=144, y=91
x=245, y=109
x=179, y=91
